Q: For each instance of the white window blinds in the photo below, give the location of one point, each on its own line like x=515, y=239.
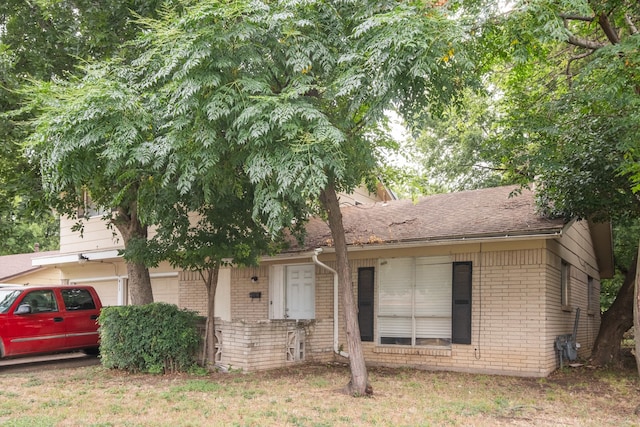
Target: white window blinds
x=414, y=300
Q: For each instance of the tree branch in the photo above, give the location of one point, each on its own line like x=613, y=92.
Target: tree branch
x=485, y=167
x=608, y=29
x=585, y=43
x=572, y=17
x=577, y=41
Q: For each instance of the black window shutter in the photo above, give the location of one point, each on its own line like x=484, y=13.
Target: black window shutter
x=365, y=302
x=461, y=312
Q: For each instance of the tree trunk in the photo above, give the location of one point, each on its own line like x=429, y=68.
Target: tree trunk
x=139, y=280
x=211, y=283
x=139, y=284
x=615, y=322
x=359, y=384
x=636, y=313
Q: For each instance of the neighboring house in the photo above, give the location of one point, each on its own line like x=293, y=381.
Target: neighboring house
x=19, y=269
x=474, y=281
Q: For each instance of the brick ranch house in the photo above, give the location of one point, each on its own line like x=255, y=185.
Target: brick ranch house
x=473, y=281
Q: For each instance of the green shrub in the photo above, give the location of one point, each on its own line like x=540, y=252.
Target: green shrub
x=155, y=338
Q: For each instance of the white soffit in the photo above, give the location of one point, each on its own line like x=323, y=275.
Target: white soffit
x=74, y=258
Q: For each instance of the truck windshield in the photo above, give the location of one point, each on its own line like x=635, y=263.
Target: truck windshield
x=7, y=297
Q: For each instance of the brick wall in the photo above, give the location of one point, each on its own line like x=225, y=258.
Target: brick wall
x=242, y=306
x=561, y=319
x=267, y=344
x=508, y=311
x=516, y=315
x=192, y=292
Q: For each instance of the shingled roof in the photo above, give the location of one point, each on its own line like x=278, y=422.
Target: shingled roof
x=491, y=212
x=12, y=266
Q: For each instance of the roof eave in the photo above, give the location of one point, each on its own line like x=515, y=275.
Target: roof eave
x=73, y=258
x=22, y=273
x=602, y=238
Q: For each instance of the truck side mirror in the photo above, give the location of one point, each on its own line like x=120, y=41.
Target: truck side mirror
x=23, y=309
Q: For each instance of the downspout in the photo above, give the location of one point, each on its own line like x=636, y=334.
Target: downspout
x=314, y=257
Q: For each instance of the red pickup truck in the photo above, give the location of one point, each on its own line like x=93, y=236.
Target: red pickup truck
x=48, y=319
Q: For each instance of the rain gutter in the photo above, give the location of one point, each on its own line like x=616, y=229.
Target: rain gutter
x=336, y=348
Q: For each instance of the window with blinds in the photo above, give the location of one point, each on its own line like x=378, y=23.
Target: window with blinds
x=415, y=301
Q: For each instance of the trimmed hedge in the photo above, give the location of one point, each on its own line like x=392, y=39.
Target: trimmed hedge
x=155, y=338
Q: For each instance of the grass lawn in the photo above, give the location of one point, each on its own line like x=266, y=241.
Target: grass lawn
x=311, y=395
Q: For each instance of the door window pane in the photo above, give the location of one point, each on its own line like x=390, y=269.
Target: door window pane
x=78, y=299
x=41, y=301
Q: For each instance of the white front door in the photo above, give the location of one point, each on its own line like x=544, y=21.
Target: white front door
x=300, y=292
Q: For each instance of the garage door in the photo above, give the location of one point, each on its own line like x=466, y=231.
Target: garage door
x=165, y=289
x=107, y=291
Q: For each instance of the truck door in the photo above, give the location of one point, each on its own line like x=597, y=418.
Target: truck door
x=41, y=329
x=81, y=314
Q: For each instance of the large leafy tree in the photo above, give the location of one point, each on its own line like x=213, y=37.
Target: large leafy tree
x=45, y=41
x=296, y=89
x=292, y=92
x=90, y=137
x=19, y=231
x=569, y=117
x=41, y=40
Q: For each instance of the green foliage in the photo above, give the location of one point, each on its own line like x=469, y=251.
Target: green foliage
x=94, y=143
x=24, y=218
x=243, y=107
x=568, y=117
x=20, y=236
x=286, y=96
x=50, y=37
x=567, y=114
x=295, y=89
x=211, y=227
x=609, y=289
x=154, y=338
x=249, y=106
x=45, y=40
x=453, y=150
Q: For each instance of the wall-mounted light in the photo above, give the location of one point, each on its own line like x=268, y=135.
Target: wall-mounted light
x=254, y=279
x=82, y=259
